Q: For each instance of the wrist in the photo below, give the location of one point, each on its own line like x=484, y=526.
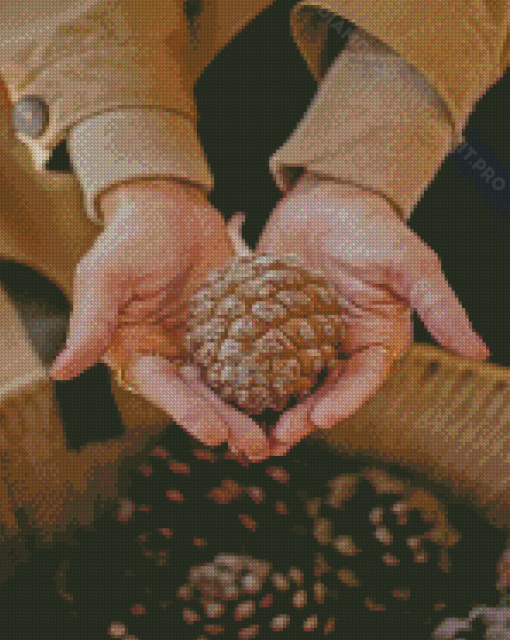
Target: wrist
x=341, y=188
x=136, y=193
x=132, y=144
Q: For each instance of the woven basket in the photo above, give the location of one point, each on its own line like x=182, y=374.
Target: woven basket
x=446, y=419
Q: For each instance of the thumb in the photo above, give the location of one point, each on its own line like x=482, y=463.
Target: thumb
x=93, y=322
x=445, y=318
x=423, y=284
x=234, y=227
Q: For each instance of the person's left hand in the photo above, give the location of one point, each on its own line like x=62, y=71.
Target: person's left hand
x=381, y=271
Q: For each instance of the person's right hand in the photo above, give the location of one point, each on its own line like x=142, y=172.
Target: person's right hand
x=161, y=240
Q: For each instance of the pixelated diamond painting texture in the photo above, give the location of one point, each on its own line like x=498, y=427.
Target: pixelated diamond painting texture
x=129, y=575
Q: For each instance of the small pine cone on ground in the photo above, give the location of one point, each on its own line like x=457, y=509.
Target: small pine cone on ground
x=264, y=512
x=240, y=597
x=380, y=539
x=262, y=329
x=482, y=623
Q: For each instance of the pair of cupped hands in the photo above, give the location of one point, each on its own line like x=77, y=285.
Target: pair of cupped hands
x=161, y=240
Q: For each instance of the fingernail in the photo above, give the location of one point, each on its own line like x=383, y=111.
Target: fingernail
x=57, y=371
x=62, y=356
x=482, y=347
x=208, y=441
x=257, y=458
x=212, y=437
x=320, y=417
x=481, y=353
x=284, y=433
x=210, y=432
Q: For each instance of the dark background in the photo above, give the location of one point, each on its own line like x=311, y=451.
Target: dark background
x=250, y=99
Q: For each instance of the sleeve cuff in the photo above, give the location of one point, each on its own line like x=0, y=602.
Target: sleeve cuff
x=375, y=122
x=121, y=145
x=458, y=45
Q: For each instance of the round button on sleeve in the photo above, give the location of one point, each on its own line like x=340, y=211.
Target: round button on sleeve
x=30, y=116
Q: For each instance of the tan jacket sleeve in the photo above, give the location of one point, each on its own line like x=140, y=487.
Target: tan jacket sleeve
x=409, y=72
x=375, y=122
x=460, y=46
x=93, y=62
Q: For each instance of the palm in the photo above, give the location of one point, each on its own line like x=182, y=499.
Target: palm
x=160, y=243
x=381, y=271
x=152, y=325
x=158, y=280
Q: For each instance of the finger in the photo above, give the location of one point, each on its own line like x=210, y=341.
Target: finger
x=397, y=329
x=158, y=380
x=154, y=307
x=235, y=224
x=295, y=424
x=442, y=312
x=131, y=340
x=364, y=373
x=93, y=322
x=244, y=433
x=391, y=325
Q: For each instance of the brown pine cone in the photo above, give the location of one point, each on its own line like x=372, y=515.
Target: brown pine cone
x=237, y=596
x=482, y=623
x=262, y=329
x=402, y=530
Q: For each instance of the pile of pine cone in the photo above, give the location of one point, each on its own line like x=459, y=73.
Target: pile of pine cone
x=207, y=546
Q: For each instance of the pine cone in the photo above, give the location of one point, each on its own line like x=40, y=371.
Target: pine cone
x=482, y=623
x=404, y=532
x=262, y=329
x=237, y=596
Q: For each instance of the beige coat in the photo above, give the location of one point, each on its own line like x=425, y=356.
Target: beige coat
x=63, y=50
x=117, y=78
